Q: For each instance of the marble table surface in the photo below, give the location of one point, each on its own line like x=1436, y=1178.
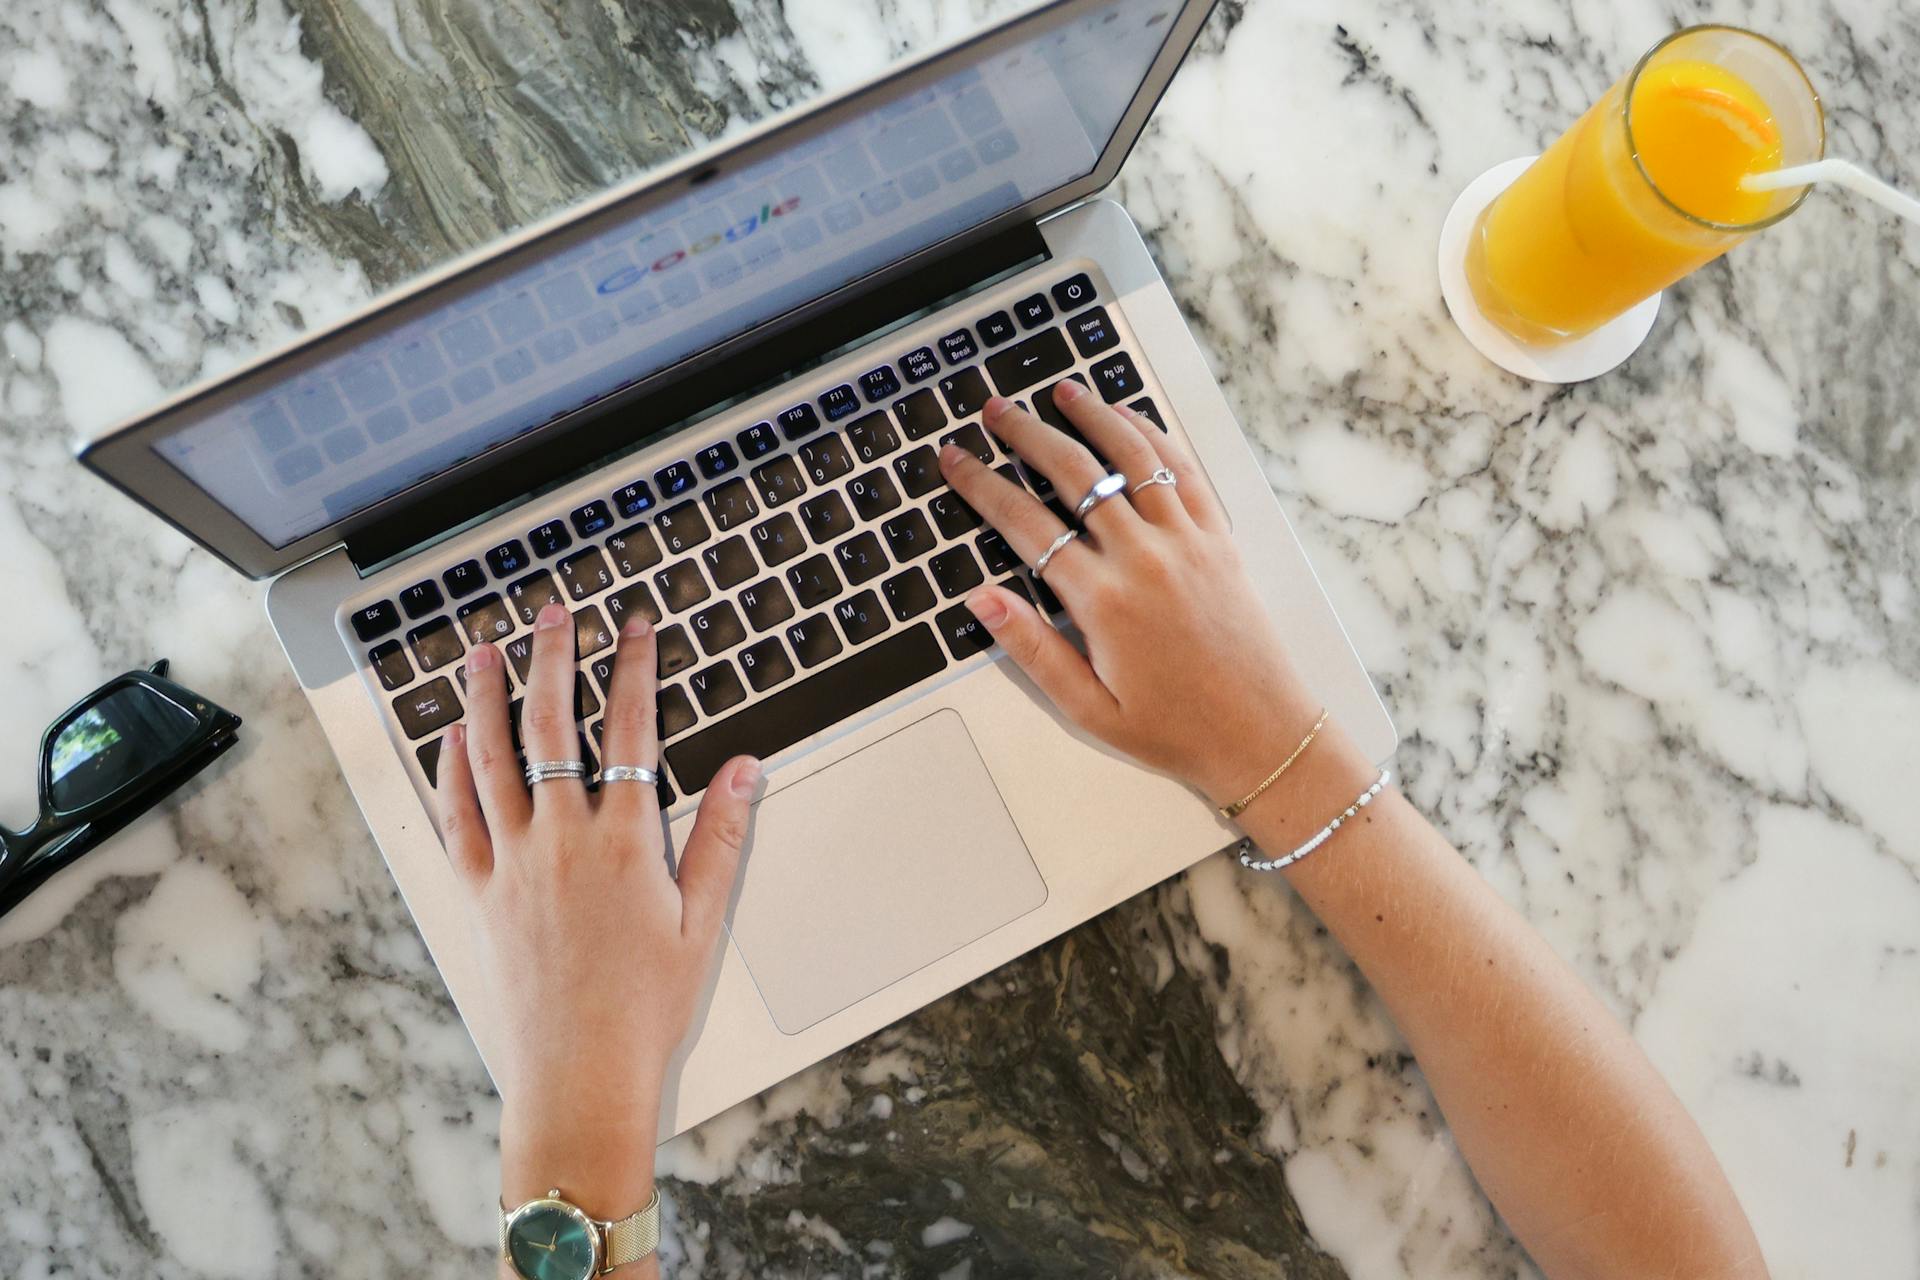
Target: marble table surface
x=1652, y=642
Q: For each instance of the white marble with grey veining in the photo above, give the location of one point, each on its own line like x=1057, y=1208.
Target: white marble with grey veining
x=1652, y=640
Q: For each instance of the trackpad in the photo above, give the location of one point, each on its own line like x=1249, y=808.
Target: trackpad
x=875, y=867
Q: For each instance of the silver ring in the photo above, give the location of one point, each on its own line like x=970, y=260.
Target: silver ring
x=539, y=771
x=1040, y=565
x=1161, y=475
x=1111, y=485
x=630, y=773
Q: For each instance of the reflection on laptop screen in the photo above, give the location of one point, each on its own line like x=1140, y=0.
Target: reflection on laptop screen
x=921, y=164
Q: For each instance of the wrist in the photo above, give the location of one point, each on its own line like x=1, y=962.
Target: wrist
x=600, y=1161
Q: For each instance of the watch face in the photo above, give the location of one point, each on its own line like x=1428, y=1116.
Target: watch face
x=548, y=1241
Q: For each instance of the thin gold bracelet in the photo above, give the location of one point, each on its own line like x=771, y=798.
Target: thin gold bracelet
x=1239, y=806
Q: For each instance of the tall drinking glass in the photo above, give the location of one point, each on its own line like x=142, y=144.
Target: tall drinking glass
x=1645, y=187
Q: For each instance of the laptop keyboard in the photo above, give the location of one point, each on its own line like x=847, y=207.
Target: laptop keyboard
x=796, y=573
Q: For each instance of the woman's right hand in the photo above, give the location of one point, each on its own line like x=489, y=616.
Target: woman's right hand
x=1183, y=668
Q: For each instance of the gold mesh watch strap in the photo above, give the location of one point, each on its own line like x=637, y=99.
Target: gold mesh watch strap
x=631, y=1239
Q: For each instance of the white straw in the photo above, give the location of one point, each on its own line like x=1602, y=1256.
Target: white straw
x=1842, y=173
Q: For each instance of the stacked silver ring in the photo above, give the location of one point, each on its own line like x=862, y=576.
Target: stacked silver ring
x=630, y=773
x=539, y=771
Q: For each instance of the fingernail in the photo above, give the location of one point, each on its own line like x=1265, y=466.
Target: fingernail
x=1068, y=390
x=550, y=617
x=635, y=628
x=995, y=406
x=989, y=608
x=746, y=779
x=482, y=659
x=457, y=737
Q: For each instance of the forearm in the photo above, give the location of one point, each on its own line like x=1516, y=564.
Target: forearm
x=1577, y=1140
x=604, y=1165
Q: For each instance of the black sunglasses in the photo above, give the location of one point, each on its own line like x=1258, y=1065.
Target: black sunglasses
x=114, y=755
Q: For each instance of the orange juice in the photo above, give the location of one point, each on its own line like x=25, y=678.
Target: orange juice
x=1644, y=188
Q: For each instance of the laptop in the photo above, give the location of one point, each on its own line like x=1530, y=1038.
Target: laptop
x=713, y=397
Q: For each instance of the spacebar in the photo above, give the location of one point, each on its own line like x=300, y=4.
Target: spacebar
x=799, y=711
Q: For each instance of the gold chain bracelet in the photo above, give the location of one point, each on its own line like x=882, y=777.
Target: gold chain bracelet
x=1239, y=806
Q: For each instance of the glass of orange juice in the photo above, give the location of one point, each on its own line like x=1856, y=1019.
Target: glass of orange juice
x=1645, y=187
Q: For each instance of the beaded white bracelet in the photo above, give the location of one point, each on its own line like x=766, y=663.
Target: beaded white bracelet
x=1319, y=837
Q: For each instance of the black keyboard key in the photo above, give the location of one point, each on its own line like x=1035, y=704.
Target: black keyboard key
x=730, y=563
x=1040, y=485
x=909, y=536
x=962, y=632
x=634, y=550
x=674, y=650
x=682, y=528
x=880, y=384
x=952, y=514
x=429, y=754
x=966, y=390
x=485, y=620
x=731, y=504
x=550, y=539
x=839, y=402
x=814, y=640
x=603, y=672
x=1117, y=378
x=675, y=711
x=1092, y=333
x=808, y=706
x=766, y=664
x=919, y=364
x=718, y=628
x=717, y=459
x=675, y=480
x=1074, y=291
x=919, y=471
x=421, y=599
x=1033, y=311
x=630, y=602
x=919, y=414
x=585, y=573
x=1147, y=409
x=431, y=706
x=908, y=594
x=767, y=604
x=972, y=438
x=1019, y=587
x=996, y=328
x=798, y=421
x=680, y=586
x=585, y=704
x=375, y=620
x=718, y=687
x=778, y=539
x=958, y=347
x=520, y=654
x=533, y=593
x=390, y=664
x=1011, y=474
x=955, y=571
x=826, y=517
x=464, y=579
x=873, y=437
x=813, y=581
x=592, y=520
x=758, y=440
x=779, y=480
x=860, y=617
x=507, y=559
x=826, y=459
x=873, y=494
x=634, y=499
x=995, y=551
x=1026, y=363
x=860, y=558
x=590, y=632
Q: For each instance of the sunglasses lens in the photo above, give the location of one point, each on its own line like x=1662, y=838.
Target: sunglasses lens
x=118, y=739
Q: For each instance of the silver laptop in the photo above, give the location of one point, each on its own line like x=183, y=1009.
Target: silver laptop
x=714, y=397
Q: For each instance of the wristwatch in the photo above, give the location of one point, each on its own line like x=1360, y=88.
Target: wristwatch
x=554, y=1239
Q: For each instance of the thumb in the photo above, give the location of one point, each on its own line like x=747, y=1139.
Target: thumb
x=712, y=852
x=1048, y=658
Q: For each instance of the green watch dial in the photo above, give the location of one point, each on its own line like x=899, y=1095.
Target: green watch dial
x=546, y=1242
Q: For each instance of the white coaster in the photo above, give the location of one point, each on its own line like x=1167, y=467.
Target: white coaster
x=1589, y=357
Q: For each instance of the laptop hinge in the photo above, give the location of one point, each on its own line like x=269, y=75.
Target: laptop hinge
x=581, y=447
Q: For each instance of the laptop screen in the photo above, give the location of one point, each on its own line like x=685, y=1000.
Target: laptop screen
x=922, y=162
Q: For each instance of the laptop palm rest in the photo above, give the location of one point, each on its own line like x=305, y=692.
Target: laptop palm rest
x=875, y=867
